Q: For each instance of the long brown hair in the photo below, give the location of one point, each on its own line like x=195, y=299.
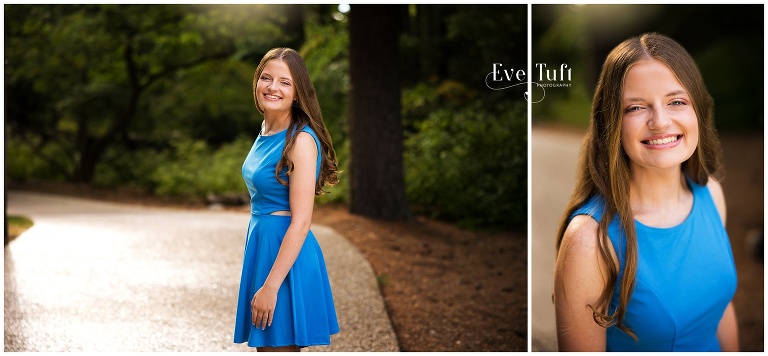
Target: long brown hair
x=604, y=166
x=305, y=111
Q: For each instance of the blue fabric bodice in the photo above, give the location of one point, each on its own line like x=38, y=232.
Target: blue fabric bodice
x=267, y=194
x=685, y=279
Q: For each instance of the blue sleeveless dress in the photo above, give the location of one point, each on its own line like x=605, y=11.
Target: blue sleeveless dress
x=304, y=314
x=685, y=279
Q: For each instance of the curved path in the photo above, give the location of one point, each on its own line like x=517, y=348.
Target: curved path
x=97, y=276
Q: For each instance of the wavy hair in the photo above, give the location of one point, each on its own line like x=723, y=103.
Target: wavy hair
x=305, y=111
x=604, y=168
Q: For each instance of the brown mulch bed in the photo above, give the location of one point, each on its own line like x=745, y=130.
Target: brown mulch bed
x=446, y=289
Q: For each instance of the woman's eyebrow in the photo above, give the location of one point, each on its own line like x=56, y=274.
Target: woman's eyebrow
x=636, y=98
x=632, y=99
x=676, y=92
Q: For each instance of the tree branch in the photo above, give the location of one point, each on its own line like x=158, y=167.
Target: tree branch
x=167, y=71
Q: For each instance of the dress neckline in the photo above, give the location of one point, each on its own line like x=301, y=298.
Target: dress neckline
x=261, y=133
x=685, y=221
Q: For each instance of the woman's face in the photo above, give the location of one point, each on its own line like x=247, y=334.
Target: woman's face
x=659, y=126
x=275, y=88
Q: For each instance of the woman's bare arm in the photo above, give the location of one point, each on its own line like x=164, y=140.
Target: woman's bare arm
x=728, y=328
x=579, y=280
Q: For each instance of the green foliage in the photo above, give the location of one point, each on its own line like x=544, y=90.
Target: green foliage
x=423, y=98
x=470, y=165
x=325, y=52
x=738, y=93
x=570, y=105
x=68, y=86
x=212, y=102
x=16, y=225
x=22, y=222
x=193, y=170
x=340, y=192
x=86, y=77
x=122, y=167
x=726, y=50
x=382, y=279
x=23, y=164
x=190, y=169
x=466, y=145
x=484, y=35
x=563, y=42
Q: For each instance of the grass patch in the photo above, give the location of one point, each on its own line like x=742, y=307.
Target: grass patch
x=17, y=225
x=383, y=280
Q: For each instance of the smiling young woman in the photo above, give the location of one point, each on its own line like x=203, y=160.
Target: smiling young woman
x=285, y=300
x=644, y=262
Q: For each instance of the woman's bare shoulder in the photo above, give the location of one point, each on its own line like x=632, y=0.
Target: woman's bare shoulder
x=580, y=248
x=580, y=233
x=304, y=145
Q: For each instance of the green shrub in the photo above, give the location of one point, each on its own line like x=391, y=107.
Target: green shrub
x=194, y=170
x=470, y=166
x=125, y=167
x=340, y=192
x=325, y=53
x=190, y=170
x=23, y=164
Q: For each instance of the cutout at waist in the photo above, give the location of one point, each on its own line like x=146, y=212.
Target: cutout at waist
x=281, y=213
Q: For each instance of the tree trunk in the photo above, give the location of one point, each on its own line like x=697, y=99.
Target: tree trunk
x=91, y=152
x=377, y=183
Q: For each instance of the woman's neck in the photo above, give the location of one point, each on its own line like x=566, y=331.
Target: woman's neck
x=660, y=198
x=275, y=122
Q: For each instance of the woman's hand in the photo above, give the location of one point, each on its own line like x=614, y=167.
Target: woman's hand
x=263, y=306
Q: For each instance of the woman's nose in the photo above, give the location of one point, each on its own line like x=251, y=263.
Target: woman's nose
x=659, y=120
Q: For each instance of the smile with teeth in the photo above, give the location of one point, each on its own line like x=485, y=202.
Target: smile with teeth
x=271, y=97
x=662, y=141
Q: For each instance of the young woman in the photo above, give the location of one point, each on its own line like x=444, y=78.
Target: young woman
x=644, y=262
x=285, y=300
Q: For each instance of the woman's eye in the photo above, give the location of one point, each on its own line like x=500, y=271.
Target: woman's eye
x=632, y=108
x=678, y=102
x=286, y=83
x=264, y=78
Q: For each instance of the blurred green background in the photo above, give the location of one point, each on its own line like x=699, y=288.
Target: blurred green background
x=158, y=99
x=726, y=41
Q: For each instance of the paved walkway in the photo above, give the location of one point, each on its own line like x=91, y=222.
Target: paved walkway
x=97, y=276
x=553, y=175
